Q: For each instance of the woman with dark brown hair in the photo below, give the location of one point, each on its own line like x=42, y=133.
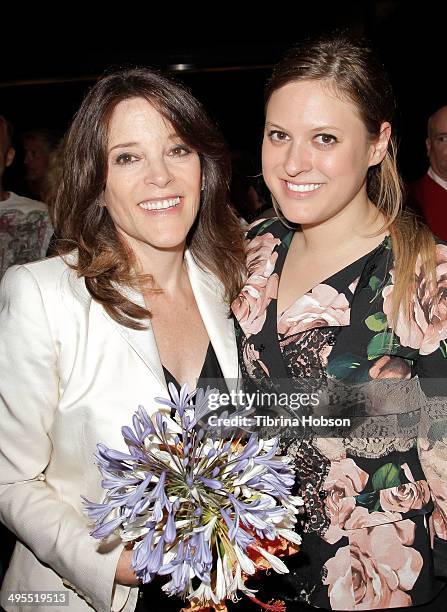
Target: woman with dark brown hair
x=346, y=291
x=150, y=255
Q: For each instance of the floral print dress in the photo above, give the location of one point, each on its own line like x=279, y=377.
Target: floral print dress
x=375, y=521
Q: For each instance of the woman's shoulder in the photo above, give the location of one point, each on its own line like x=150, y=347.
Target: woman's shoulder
x=421, y=263
x=49, y=275
x=49, y=268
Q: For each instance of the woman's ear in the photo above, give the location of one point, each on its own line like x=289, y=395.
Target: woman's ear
x=380, y=145
x=9, y=157
x=101, y=201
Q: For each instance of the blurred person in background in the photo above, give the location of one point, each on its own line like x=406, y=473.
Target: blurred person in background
x=38, y=145
x=25, y=227
x=428, y=195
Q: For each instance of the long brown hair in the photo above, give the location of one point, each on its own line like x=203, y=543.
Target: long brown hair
x=355, y=73
x=215, y=241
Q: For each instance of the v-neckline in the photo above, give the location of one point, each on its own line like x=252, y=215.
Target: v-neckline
x=280, y=266
x=169, y=377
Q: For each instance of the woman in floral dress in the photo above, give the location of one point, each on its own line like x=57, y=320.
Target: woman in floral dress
x=347, y=292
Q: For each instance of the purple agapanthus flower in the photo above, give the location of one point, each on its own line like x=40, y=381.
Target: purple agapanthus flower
x=191, y=504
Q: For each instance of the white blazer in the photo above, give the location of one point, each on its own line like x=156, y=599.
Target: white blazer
x=70, y=377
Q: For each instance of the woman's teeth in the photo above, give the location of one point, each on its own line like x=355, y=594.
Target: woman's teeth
x=303, y=187
x=160, y=204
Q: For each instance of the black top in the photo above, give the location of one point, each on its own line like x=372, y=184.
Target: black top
x=211, y=371
x=340, y=337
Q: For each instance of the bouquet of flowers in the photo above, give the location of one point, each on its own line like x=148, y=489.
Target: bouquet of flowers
x=216, y=510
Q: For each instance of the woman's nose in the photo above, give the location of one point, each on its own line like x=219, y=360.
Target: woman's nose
x=298, y=160
x=158, y=173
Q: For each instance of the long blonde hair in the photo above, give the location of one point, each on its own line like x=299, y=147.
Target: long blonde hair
x=356, y=74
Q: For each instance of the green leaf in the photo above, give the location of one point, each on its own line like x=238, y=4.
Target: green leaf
x=377, y=506
x=382, y=344
x=263, y=226
x=342, y=366
x=388, y=242
x=377, y=322
x=385, y=477
x=367, y=500
x=374, y=282
x=287, y=239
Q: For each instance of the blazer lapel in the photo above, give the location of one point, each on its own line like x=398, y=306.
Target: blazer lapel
x=142, y=341
x=214, y=312
x=208, y=293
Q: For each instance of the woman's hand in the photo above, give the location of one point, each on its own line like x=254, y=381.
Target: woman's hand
x=124, y=573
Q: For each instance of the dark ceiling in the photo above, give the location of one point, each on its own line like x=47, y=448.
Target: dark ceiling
x=224, y=57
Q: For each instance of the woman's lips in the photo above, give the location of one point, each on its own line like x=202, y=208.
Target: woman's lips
x=160, y=203
x=300, y=190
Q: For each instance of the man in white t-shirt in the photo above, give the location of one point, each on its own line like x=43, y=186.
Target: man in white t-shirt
x=25, y=227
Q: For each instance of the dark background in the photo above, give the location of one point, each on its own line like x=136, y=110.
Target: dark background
x=48, y=62
x=45, y=72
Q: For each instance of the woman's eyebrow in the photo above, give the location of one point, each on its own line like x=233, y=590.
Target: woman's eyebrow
x=123, y=145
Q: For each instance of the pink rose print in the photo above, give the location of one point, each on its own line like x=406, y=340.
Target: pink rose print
x=344, y=481
x=261, y=286
x=428, y=324
x=377, y=569
x=260, y=257
x=439, y=516
x=411, y=496
x=434, y=464
x=390, y=367
x=320, y=307
x=362, y=518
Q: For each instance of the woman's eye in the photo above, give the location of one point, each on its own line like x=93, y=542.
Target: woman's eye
x=278, y=136
x=325, y=139
x=180, y=151
x=125, y=158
